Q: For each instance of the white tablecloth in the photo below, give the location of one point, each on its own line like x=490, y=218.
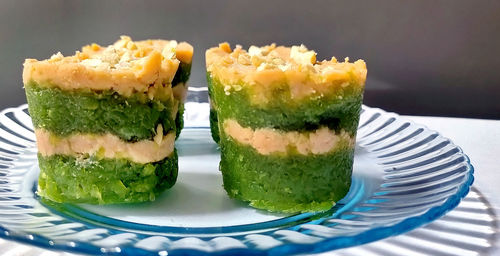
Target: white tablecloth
x=480, y=140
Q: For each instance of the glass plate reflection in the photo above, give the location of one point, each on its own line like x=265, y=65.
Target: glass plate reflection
x=405, y=175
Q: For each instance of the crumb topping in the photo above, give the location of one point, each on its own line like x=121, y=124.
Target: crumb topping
x=296, y=66
x=126, y=66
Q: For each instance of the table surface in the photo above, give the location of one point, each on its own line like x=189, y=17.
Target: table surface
x=470, y=229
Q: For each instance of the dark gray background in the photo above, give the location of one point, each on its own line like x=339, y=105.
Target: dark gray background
x=424, y=57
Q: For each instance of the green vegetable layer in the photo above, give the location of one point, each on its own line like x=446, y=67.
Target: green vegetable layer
x=179, y=120
x=182, y=74
x=285, y=114
x=103, y=181
x=293, y=183
x=65, y=112
x=214, y=125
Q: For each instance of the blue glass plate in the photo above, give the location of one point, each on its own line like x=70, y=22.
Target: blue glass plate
x=404, y=176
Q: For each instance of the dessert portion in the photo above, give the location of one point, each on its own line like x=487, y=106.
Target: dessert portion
x=286, y=124
x=106, y=120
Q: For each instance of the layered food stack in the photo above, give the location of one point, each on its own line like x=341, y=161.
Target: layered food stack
x=106, y=119
x=285, y=123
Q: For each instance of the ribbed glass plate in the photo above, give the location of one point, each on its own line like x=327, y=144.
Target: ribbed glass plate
x=404, y=176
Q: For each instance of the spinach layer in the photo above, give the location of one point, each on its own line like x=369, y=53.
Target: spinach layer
x=103, y=181
x=284, y=114
x=130, y=118
x=291, y=183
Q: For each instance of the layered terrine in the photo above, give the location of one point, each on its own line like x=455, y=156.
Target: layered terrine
x=106, y=120
x=285, y=123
